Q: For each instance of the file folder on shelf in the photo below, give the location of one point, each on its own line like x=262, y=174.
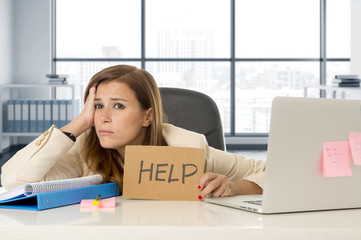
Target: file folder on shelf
x=40, y=116
x=55, y=113
x=25, y=113
x=11, y=116
x=18, y=112
x=47, y=113
x=62, y=113
x=33, y=114
x=61, y=198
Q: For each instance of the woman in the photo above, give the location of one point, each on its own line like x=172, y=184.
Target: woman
x=123, y=107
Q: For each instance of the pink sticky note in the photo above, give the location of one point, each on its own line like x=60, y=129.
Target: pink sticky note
x=103, y=203
x=336, y=159
x=97, y=210
x=355, y=145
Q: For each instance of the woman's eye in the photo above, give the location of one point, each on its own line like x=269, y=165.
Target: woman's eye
x=98, y=106
x=119, y=106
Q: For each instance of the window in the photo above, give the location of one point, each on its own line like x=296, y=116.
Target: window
x=176, y=30
x=241, y=53
x=98, y=29
x=277, y=29
x=257, y=83
x=338, y=38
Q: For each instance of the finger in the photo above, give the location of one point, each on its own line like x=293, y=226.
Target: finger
x=92, y=91
x=91, y=97
x=226, y=193
x=220, y=191
x=207, y=177
x=211, y=186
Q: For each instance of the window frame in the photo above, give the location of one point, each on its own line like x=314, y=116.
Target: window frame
x=233, y=139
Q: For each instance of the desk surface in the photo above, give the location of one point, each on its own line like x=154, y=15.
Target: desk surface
x=147, y=219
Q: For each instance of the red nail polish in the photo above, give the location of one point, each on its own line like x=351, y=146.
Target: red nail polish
x=200, y=197
x=199, y=187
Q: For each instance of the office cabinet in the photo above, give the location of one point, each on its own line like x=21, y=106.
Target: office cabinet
x=30, y=116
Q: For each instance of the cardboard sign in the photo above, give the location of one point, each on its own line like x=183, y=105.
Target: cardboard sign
x=162, y=172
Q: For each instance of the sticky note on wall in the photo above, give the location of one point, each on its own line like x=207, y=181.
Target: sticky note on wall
x=355, y=145
x=336, y=159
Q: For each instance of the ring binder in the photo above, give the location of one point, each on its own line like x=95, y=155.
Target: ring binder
x=61, y=198
x=51, y=194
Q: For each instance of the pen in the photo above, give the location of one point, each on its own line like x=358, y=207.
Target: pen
x=96, y=201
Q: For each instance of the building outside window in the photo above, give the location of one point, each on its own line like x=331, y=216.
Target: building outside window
x=242, y=53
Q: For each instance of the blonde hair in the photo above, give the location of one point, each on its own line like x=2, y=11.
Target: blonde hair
x=108, y=162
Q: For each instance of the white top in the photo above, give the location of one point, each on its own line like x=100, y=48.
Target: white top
x=54, y=156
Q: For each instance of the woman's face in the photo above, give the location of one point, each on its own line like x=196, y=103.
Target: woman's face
x=119, y=119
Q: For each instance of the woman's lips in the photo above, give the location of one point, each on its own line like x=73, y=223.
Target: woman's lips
x=105, y=132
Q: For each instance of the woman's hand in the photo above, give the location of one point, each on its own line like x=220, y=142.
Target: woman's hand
x=85, y=120
x=87, y=115
x=220, y=186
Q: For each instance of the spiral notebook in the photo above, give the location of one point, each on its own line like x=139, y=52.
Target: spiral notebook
x=51, y=194
x=51, y=186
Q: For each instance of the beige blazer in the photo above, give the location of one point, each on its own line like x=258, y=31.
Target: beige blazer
x=54, y=156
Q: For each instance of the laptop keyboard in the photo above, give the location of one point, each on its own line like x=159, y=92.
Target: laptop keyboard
x=255, y=202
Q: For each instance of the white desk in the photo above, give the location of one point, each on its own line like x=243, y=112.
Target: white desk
x=146, y=219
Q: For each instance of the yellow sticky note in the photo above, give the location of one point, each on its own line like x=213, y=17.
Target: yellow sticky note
x=336, y=159
x=355, y=145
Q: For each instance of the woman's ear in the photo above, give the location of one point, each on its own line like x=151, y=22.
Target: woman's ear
x=148, y=117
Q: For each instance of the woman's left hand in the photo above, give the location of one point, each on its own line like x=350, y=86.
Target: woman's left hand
x=218, y=185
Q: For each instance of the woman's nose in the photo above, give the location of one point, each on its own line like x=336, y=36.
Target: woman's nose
x=105, y=116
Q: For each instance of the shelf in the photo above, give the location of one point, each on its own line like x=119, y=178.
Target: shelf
x=27, y=85
x=11, y=91
x=21, y=134
x=343, y=90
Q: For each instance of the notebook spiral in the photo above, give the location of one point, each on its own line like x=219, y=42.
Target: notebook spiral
x=57, y=185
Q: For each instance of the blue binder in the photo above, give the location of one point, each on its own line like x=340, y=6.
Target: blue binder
x=18, y=114
x=25, y=114
x=61, y=198
x=11, y=115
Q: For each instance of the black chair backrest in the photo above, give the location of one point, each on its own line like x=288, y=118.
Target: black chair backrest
x=194, y=111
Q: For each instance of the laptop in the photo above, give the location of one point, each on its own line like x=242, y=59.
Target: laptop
x=293, y=179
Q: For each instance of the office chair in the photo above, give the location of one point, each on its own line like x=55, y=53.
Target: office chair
x=194, y=111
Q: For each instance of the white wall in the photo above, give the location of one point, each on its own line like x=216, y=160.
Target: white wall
x=5, y=51
x=31, y=39
x=5, y=41
x=356, y=37
x=32, y=46
x=25, y=47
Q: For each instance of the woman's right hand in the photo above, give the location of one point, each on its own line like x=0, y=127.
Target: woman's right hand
x=85, y=120
x=87, y=114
